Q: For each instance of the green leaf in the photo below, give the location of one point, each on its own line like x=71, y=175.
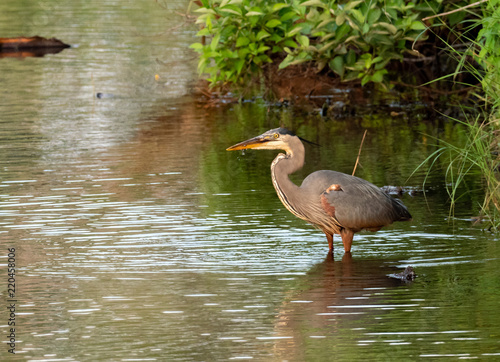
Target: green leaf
x=351, y=76
x=303, y=55
x=457, y=17
x=340, y=19
x=365, y=79
x=327, y=46
x=212, y=54
x=215, y=42
x=242, y=41
x=417, y=25
x=306, y=28
x=318, y=3
x=298, y=61
x=353, y=24
x=265, y=58
x=262, y=34
x=378, y=76
x=223, y=3
x=351, y=57
x=382, y=64
x=312, y=16
x=286, y=62
x=228, y=74
x=358, y=15
x=296, y=29
x=351, y=38
x=263, y=48
x=290, y=43
x=391, y=28
x=352, y=4
x=278, y=7
x=196, y=46
x=326, y=37
x=255, y=10
x=203, y=32
x=337, y=65
x=303, y=40
x=324, y=23
x=227, y=53
x=287, y=16
x=341, y=49
x=274, y=37
x=233, y=9
x=366, y=28
x=273, y=23
x=254, y=13
x=321, y=65
x=205, y=10
x=202, y=65
x=342, y=31
x=243, y=52
x=374, y=15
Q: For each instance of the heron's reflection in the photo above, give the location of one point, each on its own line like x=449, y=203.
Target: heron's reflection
x=335, y=298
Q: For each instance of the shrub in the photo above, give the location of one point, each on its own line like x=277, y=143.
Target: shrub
x=354, y=39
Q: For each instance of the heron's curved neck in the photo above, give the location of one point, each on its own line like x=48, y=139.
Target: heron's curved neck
x=284, y=165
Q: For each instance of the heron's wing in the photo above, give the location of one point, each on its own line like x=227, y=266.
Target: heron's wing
x=358, y=206
x=354, y=202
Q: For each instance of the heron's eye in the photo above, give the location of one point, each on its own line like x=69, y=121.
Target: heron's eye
x=276, y=135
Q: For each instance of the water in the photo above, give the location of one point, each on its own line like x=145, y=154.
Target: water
x=138, y=237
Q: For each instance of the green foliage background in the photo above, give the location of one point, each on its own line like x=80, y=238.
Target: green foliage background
x=353, y=39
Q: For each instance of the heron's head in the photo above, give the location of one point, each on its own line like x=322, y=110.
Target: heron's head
x=274, y=139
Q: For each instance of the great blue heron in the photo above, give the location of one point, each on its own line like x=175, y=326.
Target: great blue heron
x=334, y=202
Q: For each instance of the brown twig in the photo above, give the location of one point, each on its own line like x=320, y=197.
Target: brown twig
x=205, y=92
x=454, y=11
x=359, y=152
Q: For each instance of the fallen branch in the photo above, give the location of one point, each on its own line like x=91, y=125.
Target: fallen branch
x=32, y=42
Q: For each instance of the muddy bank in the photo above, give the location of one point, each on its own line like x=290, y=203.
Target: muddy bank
x=323, y=93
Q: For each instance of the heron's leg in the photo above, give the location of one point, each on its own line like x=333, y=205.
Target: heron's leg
x=347, y=236
x=329, y=237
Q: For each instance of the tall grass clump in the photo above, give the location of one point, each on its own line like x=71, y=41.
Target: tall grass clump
x=481, y=151
x=477, y=155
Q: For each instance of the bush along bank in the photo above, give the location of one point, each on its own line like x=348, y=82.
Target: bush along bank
x=359, y=41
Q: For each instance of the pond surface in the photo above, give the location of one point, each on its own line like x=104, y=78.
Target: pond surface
x=138, y=237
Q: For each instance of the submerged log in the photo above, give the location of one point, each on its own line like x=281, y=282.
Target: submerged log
x=33, y=42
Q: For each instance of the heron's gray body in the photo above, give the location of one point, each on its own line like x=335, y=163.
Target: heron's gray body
x=358, y=204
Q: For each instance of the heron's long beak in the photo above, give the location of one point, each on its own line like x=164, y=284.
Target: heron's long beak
x=256, y=142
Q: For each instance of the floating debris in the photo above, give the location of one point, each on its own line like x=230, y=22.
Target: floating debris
x=10, y=44
x=406, y=275
x=400, y=190
x=35, y=46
